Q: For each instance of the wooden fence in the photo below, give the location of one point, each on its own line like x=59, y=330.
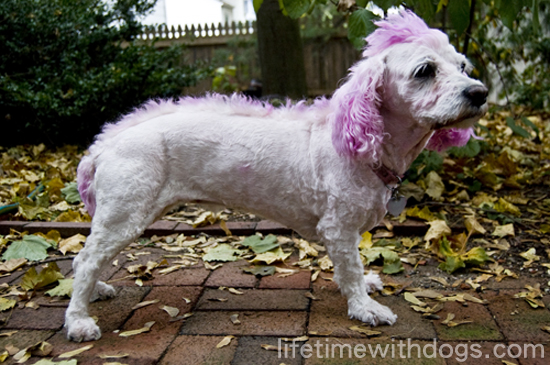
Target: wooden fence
x=326, y=60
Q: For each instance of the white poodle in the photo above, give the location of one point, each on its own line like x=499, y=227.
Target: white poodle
x=327, y=170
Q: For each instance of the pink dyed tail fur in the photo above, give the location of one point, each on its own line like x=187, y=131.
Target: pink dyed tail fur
x=85, y=179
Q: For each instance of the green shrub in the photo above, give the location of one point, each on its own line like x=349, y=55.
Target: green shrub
x=520, y=47
x=68, y=66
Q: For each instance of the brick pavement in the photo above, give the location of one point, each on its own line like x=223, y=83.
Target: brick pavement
x=272, y=308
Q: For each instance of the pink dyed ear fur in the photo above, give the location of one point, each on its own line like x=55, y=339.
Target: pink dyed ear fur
x=357, y=126
x=449, y=137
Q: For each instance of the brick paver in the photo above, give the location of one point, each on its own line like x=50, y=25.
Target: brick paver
x=160, y=228
x=23, y=338
x=300, y=280
x=174, y=297
x=188, y=276
x=516, y=319
x=231, y=275
x=279, y=323
x=44, y=318
x=329, y=316
x=198, y=350
x=145, y=348
x=267, y=226
x=114, y=312
x=482, y=326
x=272, y=308
x=250, y=351
x=253, y=299
x=6, y=226
x=64, y=229
x=329, y=312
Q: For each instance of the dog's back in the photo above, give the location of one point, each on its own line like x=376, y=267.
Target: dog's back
x=230, y=151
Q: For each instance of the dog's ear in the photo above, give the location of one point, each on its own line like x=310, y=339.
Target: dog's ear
x=357, y=126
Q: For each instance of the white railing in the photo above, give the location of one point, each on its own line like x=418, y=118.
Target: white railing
x=163, y=32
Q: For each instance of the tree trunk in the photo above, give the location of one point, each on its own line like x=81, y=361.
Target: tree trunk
x=469, y=30
x=281, y=52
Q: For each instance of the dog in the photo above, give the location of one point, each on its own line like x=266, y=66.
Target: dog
x=326, y=170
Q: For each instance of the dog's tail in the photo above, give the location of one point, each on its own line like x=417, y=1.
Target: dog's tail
x=85, y=182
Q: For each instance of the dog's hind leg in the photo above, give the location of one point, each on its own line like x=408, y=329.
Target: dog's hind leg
x=101, y=290
x=101, y=247
x=349, y=273
x=125, y=207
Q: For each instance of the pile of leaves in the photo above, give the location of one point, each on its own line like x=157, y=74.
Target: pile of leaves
x=37, y=183
x=496, y=187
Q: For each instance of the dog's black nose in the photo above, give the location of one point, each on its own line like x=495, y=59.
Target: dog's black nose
x=477, y=94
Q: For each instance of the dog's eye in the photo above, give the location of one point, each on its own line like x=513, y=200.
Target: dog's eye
x=425, y=71
x=463, y=67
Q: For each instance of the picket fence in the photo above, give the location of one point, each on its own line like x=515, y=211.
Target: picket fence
x=326, y=60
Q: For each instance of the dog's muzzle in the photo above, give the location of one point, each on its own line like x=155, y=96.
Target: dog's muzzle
x=477, y=95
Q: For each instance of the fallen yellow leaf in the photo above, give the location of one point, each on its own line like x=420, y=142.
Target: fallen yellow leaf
x=365, y=331
x=226, y=341
x=432, y=294
x=325, y=263
x=295, y=339
x=226, y=230
x=8, y=334
x=118, y=356
x=450, y=317
x=414, y=300
x=145, y=304
x=530, y=255
x=72, y=244
x=366, y=240
x=146, y=328
x=505, y=230
x=75, y=352
x=438, y=229
x=310, y=296
x=12, y=264
x=235, y=319
x=473, y=226
x=172, y=311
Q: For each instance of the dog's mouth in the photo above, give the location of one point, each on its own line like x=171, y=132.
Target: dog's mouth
x=464, y=121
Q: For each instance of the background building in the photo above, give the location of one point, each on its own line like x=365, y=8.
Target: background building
x=187, y=12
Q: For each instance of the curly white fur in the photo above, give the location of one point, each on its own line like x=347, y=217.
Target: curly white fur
x=308, y=167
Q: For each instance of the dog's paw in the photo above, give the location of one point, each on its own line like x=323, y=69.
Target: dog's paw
x=371, y=312
x=102, y=291
x=82, y=330
x=373, y=282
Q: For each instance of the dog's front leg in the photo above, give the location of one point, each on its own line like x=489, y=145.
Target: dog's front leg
x=342, y=246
